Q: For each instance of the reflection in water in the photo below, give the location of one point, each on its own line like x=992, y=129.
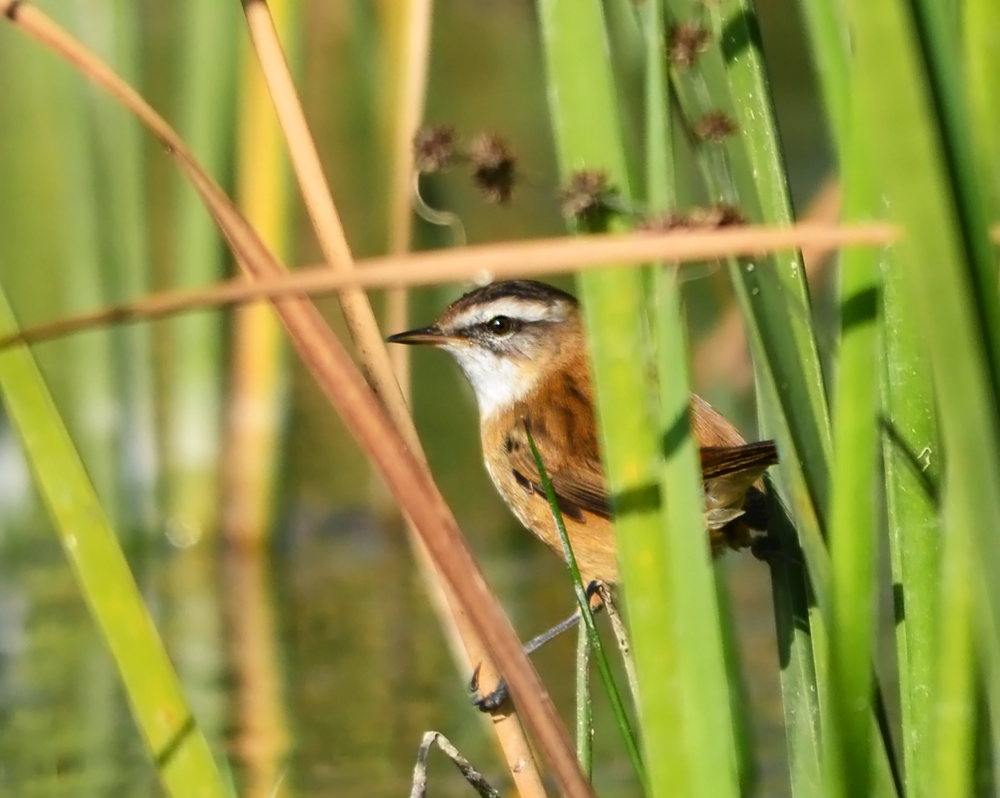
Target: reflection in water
x=320, y=684
x=65, y=729
x=260, y=739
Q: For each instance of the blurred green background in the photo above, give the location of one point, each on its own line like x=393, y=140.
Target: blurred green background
x=317, y=666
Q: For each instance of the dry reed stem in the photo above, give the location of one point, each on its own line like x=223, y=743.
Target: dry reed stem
x=319, y=205
x=263, y=739
x=480, y=263
x=374, y=358
x=253, y=419
x=360, y=409
x=412, y=76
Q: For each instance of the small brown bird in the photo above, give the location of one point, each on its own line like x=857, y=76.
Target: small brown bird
x=521, y=344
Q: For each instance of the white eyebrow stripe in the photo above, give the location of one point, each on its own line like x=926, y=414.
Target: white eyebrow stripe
x=512, y=307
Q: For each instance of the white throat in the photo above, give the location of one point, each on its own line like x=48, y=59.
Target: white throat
x=498, y=381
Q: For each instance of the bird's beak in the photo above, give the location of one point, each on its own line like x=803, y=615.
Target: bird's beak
x=430, y=336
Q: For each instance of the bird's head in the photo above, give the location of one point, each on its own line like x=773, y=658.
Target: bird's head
x=506, y=336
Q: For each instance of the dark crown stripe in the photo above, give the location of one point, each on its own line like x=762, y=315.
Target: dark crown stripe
x=529, y=290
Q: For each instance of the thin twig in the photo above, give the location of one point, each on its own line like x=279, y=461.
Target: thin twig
x=363, y=414
x=481, y=263
x=473, y=776
x=372, y=353
x=587, y=616
x=621, y=635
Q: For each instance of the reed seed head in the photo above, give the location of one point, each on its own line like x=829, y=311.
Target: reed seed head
x=493, y=167
x=434, y=148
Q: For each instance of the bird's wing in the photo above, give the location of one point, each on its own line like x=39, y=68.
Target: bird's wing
x=579, y=483
x=578, y=480
x=710, y=427
x=723, y=461
x=728, y=473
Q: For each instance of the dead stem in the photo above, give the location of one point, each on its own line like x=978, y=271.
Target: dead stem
x=361, y=411
x=479, y=263
x=368, y=341
x=414, y=43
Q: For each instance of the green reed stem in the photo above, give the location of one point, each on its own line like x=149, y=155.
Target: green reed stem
x=950, y=277
x=193, y=408
x=711, y=701
x=687, y=729
x=177, y=745
x=981, y=50
x=587, y=619
x=584, y=706
x=746, y=170
x=853, y=543
x=121, y=200
x=849, y=751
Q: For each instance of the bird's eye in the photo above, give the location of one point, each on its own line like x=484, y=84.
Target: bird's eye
x=502, y=325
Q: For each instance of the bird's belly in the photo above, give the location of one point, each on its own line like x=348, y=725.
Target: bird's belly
x=592, y=540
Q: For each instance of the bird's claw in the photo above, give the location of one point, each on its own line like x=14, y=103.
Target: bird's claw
x=492, y=701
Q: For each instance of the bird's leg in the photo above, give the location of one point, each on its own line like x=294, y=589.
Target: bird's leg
x=621, y=635
x=494, y=700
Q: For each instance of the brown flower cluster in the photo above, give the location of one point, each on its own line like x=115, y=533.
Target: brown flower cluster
x=710, y=217
x=687, y=41
x=586, y=194
x=715, y=126
x=493, y=162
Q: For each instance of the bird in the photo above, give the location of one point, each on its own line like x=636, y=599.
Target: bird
x=522, y=346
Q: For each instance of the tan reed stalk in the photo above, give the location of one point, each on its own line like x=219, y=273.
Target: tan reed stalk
x=496, y=261
x=411, y=34
x=362, y=413
x=373, y=356
x=251, y=457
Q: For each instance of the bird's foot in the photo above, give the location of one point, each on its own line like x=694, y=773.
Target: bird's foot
x=489, y=702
